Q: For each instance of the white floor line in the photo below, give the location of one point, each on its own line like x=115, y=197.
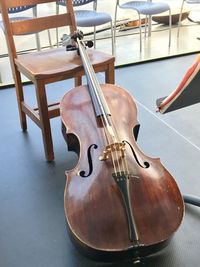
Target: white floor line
x=169, y=126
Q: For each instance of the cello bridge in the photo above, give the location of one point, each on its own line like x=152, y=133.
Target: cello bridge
x=113, y=148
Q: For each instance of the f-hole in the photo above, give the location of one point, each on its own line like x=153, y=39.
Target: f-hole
x=145, y=163
x=90, y=164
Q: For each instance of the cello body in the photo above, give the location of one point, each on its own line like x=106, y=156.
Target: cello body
x=98, y=219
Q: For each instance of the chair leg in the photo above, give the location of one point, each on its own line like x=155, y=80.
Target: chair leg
x=20, y=99
x=140, y=29
x=37, y=37
x=149, y=25
x=179, y=20
x=115, y=22
x=112, y=37
x=94, y=37
x=57, y=42
x=170, y=27
x=145, y=27
x=57, y=12
x=49, y=37
x=78, y=81
x=44, y=120
x=110, y=74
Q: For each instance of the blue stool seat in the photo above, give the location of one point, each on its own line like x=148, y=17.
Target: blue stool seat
x=89, y=18
x=146, y=8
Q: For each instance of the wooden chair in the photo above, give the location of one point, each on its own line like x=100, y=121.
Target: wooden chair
x=48, y=66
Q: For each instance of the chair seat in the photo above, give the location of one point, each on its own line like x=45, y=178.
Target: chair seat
x=193, y=1
x=54, y=62
x=89, y=18
x=146, y=8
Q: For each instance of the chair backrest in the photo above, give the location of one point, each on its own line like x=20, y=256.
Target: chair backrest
x=76, y=2
x=33, y=25
x=82, y=2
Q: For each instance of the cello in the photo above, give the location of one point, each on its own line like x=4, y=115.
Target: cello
x=118, y=202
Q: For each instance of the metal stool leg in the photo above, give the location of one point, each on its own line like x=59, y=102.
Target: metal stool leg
x=170, y=27
x=180, y=17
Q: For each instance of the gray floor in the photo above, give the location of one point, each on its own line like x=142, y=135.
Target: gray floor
x=32, y=222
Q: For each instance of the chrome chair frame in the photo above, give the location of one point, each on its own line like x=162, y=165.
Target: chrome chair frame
x=147, y=8
x=181, y=11
x=82, y=13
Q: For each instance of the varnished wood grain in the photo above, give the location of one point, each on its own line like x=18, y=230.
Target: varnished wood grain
x=94, y=207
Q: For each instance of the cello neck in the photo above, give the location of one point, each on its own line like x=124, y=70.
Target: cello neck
x=98, y=100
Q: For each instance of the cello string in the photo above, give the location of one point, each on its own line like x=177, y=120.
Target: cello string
x=97, y=95
x=110, y=141
x=124, y=158
x=123, y=166
x=105, y=122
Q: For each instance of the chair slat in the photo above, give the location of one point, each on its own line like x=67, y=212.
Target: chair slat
x=20, y=27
